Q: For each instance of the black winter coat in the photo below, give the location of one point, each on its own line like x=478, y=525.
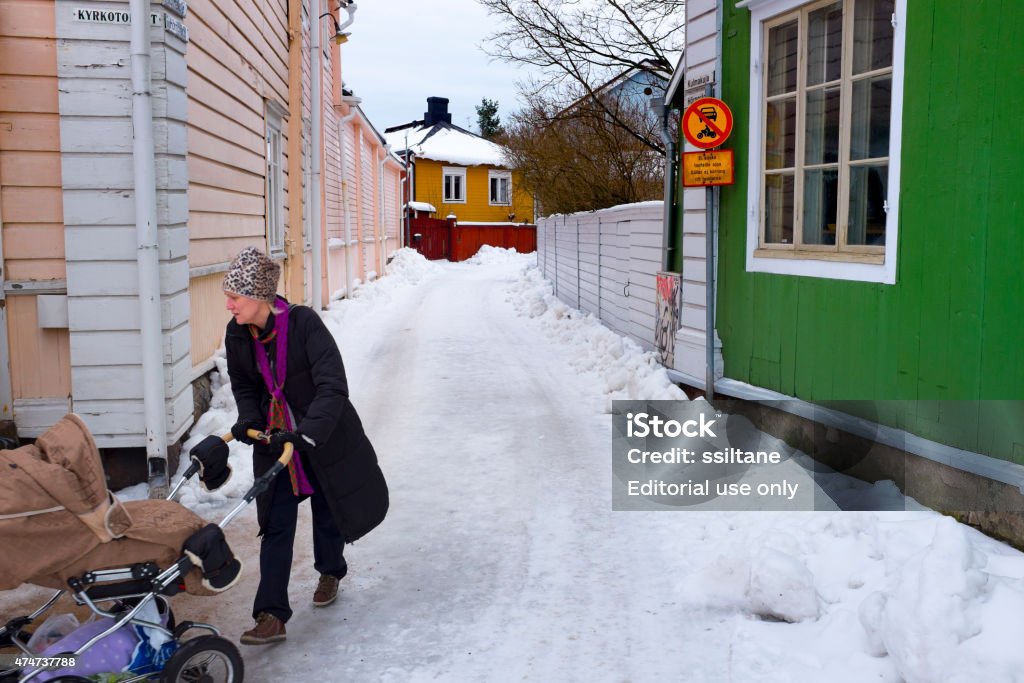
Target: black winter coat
x=343, y=460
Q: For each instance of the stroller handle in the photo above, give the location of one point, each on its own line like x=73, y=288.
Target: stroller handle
x=282, y=461
x=286, y=451
x=261, y=483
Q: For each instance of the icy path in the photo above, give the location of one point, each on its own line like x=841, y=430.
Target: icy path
x=501, y=559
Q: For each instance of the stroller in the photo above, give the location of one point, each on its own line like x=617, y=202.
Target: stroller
x=121, y=560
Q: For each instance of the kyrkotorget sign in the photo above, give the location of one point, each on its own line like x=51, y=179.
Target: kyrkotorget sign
x=173, y=25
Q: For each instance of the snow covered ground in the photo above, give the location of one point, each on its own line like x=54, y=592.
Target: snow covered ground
x=488, y=402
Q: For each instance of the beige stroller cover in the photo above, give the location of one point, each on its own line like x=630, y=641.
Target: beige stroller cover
x=58, y=520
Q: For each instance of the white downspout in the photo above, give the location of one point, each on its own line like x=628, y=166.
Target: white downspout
x=316, y=78
x=148, y=251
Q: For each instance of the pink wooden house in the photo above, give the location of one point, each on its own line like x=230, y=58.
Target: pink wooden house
x=238, y=151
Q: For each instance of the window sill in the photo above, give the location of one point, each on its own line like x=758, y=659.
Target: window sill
x=816, y=255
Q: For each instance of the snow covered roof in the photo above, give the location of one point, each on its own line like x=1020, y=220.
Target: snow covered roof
x=421, y=206
x=445, y=142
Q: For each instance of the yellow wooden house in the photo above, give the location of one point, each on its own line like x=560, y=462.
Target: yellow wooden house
x=458, y=172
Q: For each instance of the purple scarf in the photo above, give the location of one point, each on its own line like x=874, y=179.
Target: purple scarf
x=279, y=416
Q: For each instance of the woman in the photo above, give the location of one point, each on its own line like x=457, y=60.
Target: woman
x=288, y=380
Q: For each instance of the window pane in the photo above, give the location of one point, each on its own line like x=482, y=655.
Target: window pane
x=822, y=140
x=825, y=44
x=872, y=105
x=780, y=134
x=867, y=204
x=778, y=209
x=821, y=188
x=872, y=35
x=494, y=191
x=782, y=53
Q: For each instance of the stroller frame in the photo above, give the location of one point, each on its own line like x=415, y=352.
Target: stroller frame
x=140, y=583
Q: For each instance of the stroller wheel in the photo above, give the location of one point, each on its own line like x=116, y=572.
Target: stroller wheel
x=207, y=659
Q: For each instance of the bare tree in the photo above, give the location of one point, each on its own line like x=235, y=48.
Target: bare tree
x=580, y=45
x=585, y=162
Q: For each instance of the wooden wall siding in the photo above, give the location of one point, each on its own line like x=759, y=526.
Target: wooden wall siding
x=30, y=179
x=332, y=160
x=392, y=205
x=605, y=263
x=40, y=359
x=99, y=237
x=237, y=58
x=949, y=329
x=476, y=208
x=208, y=316
x=366, y=185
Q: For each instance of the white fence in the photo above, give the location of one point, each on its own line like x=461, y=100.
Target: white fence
x=606, y=263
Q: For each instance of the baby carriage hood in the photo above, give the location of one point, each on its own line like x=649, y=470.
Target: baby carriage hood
x=56, y=510
x=64, y=467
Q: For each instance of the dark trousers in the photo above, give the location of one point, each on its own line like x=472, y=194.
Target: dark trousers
x=279, y=539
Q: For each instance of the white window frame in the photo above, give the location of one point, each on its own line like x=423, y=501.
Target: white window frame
x=459, y=171
x=499, y=176
x=762, y=11
x=274, y=181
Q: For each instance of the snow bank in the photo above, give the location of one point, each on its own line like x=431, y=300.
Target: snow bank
x=943, y=618
x=217, y=420
x=494, y=256
x=627, y=371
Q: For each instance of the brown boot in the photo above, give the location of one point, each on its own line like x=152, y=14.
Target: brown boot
x=268, y=629
x=326, y=591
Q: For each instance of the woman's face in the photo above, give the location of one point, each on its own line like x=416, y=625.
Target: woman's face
x=246, y=311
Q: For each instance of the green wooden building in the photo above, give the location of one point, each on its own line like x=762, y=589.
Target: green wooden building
x=872, y=246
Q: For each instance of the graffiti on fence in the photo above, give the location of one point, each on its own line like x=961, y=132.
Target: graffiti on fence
x=667, y=321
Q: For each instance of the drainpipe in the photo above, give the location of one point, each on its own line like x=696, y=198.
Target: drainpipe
x=663, y=110
x=709, y=281
x=352, y=102
x=316, y=78
x=407, y=233
x=148, y=251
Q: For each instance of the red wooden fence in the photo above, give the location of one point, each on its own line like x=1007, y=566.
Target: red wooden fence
x=438, y=239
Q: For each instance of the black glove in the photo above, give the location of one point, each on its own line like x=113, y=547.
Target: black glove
x=212, y=456
x=279, y=439
x=240, y=429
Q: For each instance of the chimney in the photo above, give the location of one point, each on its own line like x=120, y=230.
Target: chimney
x=437, y=111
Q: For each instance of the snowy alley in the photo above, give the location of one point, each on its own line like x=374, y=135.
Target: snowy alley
x=488, y=402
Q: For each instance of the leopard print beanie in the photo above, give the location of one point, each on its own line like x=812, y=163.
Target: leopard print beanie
x=253, y=274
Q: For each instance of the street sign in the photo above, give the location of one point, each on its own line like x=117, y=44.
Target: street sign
x=707, y=123
x=704, y=169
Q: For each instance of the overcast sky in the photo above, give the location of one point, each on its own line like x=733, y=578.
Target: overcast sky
x=403, y=51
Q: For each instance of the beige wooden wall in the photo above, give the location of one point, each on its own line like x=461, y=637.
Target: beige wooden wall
x=237, y=58
x=31, y=205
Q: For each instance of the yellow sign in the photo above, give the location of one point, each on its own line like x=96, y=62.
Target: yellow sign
x=701, y=169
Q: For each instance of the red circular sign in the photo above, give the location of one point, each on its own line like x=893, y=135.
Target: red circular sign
x=707, y=123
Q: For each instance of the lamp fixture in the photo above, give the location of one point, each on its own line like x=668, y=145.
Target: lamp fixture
x=338, y=38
